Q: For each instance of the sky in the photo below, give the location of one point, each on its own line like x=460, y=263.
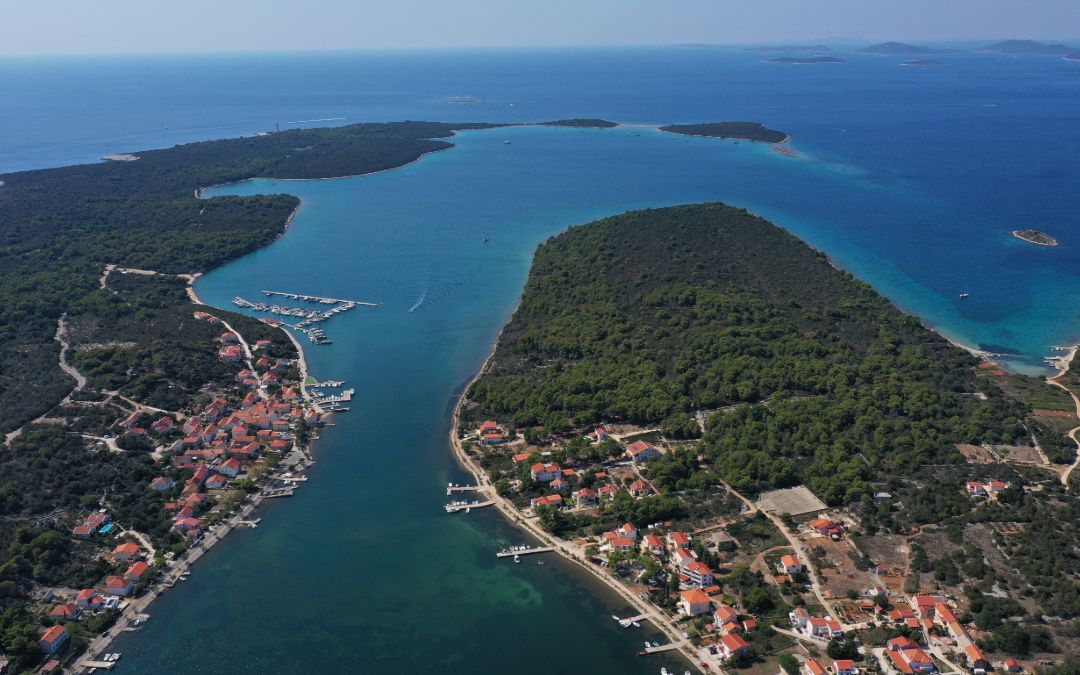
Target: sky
x=38, y=27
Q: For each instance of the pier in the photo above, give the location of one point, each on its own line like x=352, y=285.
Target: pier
x=463, y=488
x=278, y=492
x=630, y=620
x=90, y=663
x=454, y=508
x=319, y=300
x=665, y=648
x=510, y=553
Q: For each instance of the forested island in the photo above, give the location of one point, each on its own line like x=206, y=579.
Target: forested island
x=900, y=48
x=922, y=63
x=1027, y=47
x=805, y=60
x=664, y=365
x=749, y=131
x=1035, y=237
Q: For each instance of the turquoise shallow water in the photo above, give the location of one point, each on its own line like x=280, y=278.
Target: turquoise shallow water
x=910, y=178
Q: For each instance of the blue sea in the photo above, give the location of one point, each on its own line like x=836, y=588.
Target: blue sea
x=911, y=178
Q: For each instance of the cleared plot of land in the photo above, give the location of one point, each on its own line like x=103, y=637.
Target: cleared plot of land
x=1024, y=454
x=796, y=501
x=976, y=454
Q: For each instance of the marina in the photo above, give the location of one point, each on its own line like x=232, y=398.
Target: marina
x=307, y=317
x=454, y=507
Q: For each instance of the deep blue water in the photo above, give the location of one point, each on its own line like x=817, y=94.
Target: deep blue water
x=910, y=178
x=959, y=154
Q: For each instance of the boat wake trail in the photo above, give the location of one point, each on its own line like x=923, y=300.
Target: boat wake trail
x=419, y=302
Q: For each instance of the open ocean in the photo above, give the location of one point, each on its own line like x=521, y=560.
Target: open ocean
x=911, y=178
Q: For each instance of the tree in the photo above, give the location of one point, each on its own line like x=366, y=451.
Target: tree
x=789, y=663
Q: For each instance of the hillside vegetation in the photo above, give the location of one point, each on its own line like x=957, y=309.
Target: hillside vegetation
x=59, y=227
x=653, y=315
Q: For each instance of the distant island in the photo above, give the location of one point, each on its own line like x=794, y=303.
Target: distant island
x=922, y=63
x=894, y=48
x=1035, y=237
x=805, y=59
x=750, y=131
x=582, y=122
x=788, y=48
x=1027, y=47
x=1072, y=56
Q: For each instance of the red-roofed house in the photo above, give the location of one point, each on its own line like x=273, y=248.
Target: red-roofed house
x=726, y=619
x=623, y=544
x=65, y=613
x=87, y=599
x=653, y=544
x=924, y=605
x=678, y=540
x=53, y=639
x=547, y=500
x=813, y=667
x=827, y=528
x=522, y=457
x=137, y=571
x=545, y=473
x=700, y=574
x=976, y=659
x=118, y=586
x=824, y=627
x=639, y=488
x=230, y=468
x=642, y=451
x=789, y=564
x=695, y=602
x=585, y=497
x=163, y=425
x=126, y=552
x=845, y=667
x=607, y=491
x=733, y=646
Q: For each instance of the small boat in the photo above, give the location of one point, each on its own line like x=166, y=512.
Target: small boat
x=615, y=617
x=635, y=624
x=506, y=142
x=647, y=645
x=964, y=295
x=468, y=509
x=641, y=653
x=517, y=558
x=539, y=562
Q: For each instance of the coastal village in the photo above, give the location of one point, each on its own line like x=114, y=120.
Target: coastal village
x=782, y=582
x=238, y=444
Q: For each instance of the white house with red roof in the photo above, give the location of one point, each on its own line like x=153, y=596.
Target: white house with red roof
x=678, y=540
x=585, y=497
x=628, y=530
x=695, y=602
x=813, y=667
x=824, y=627
x=230, y=468
x=844, y=667
x=65, y=612
x=547, y=500
x=623, y=544
x=642, y=451
x=640, y=488
x=545, y=473
x=607, y=491
x=126, y=552
x=908, y=657
x=726, y=619
x=700, y=574
x=52, y=639
x=733, y=645
x=137, y=572
x=116, y=585
x=789, y=564
x=653, y=544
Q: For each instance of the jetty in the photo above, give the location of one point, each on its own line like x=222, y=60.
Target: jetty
x=467, y=506
x=91, y=663
x=631, y=620
x=665, y=648
x=463, y=488
x=524, y=550
x=318, y=299
x=279, y=492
